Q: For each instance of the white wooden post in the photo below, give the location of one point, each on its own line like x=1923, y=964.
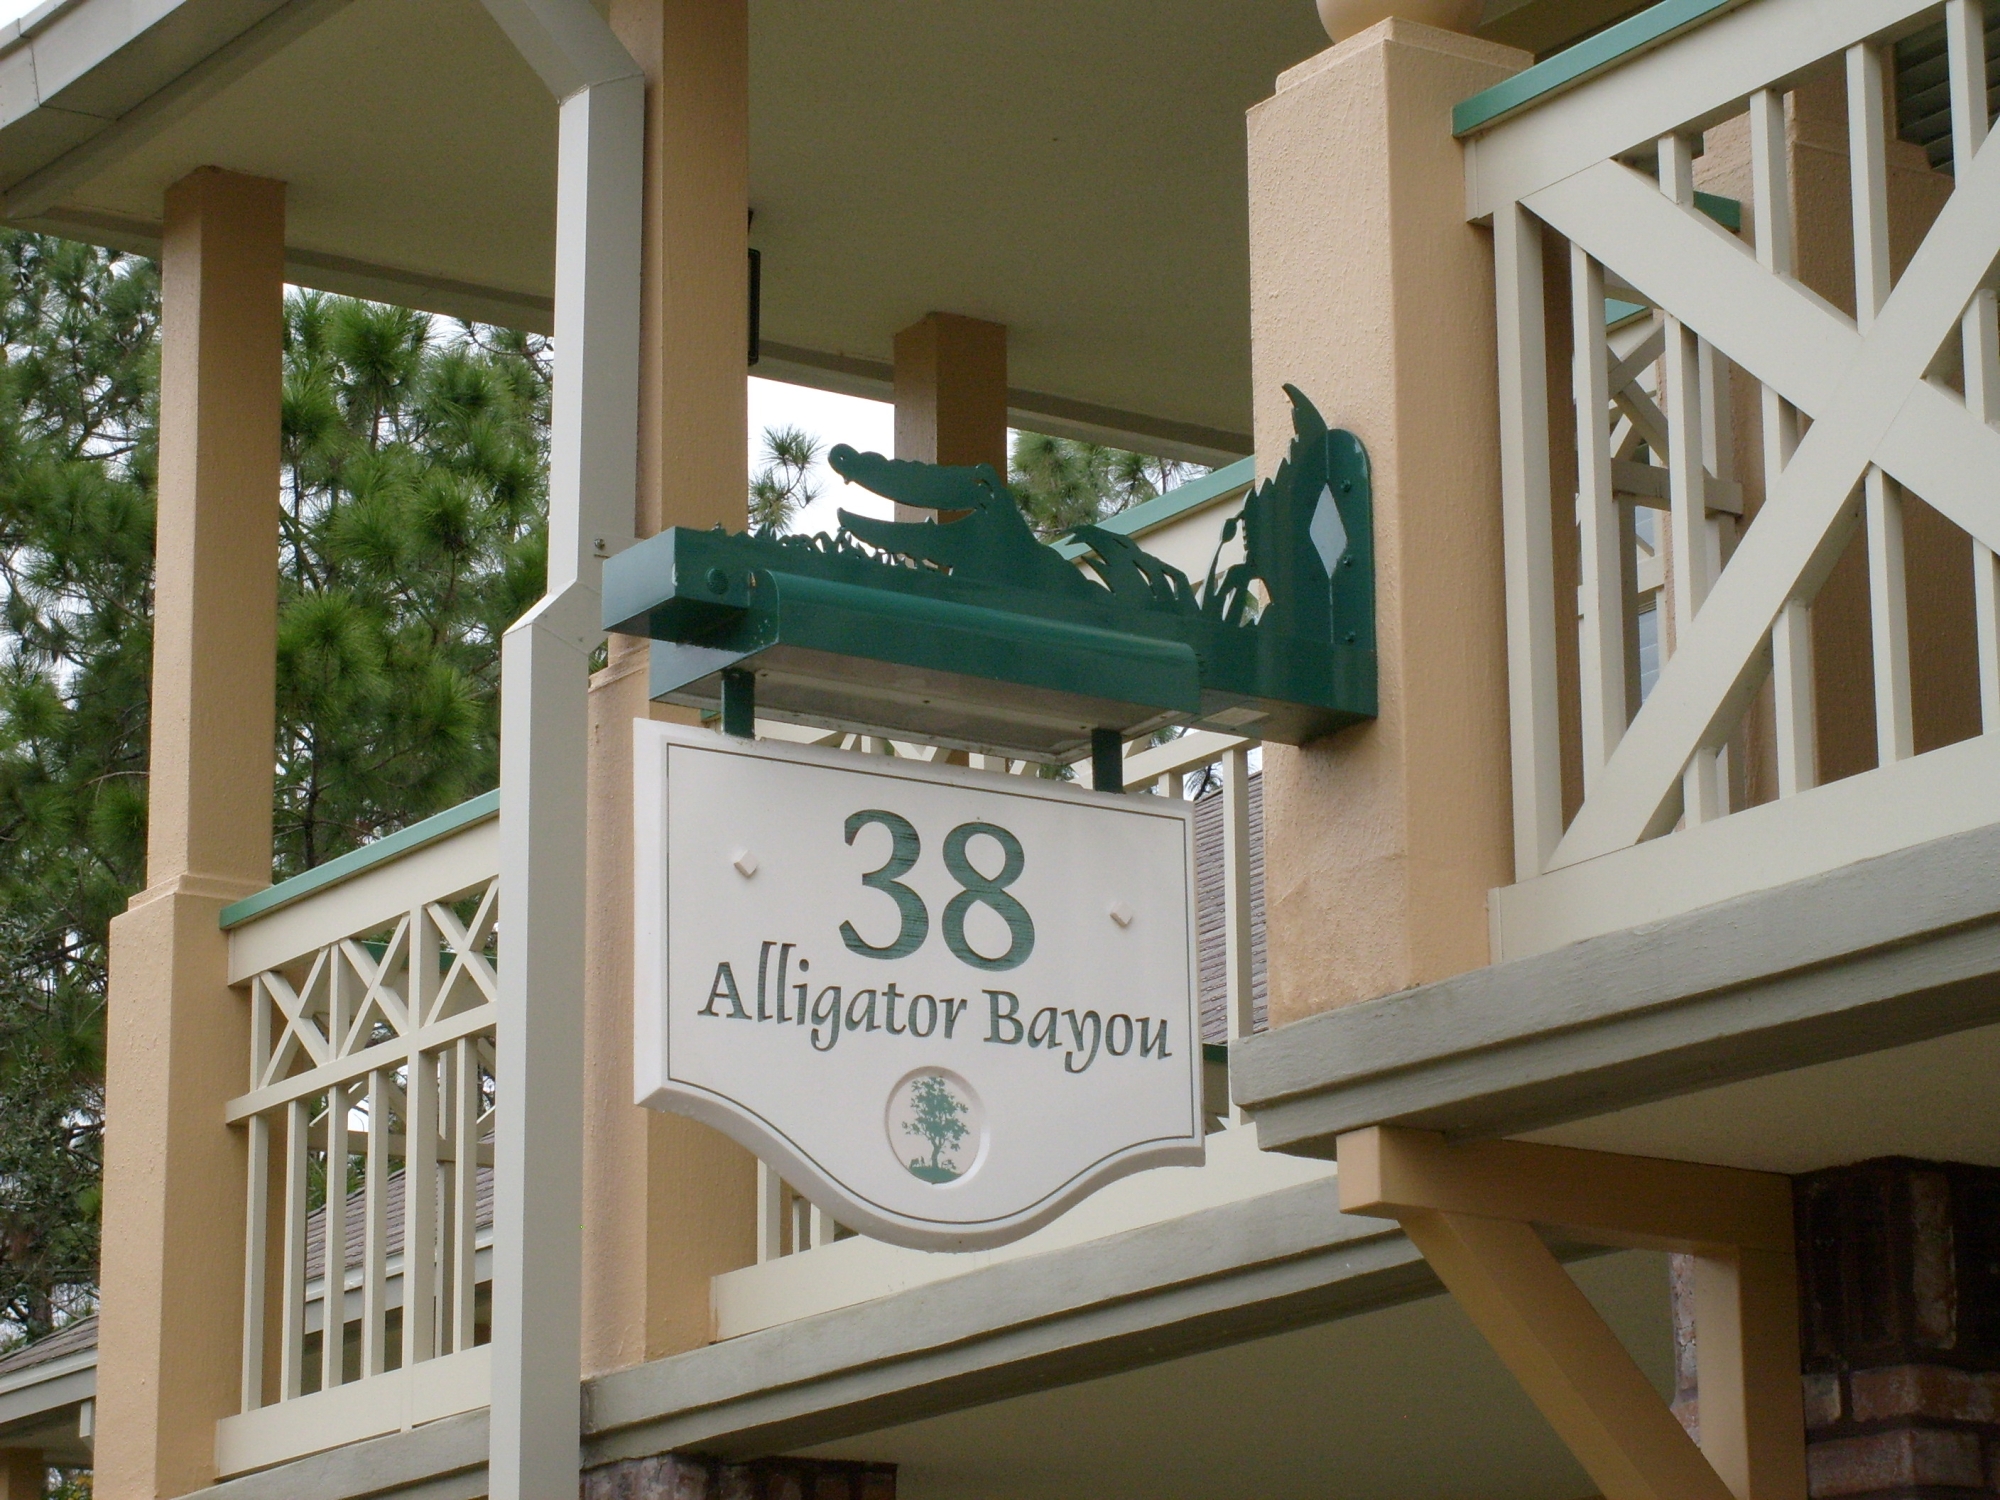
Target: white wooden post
x=1603, y=547
x=1793, y=689
x=292, y=1320
x=1888, y=610
x=256, y=1254
x=333, y=1252
x=593, y=468
x=1693, y=545
x=375, y=1229
x=1965, y=35
x=1533, y=706
x=1236, y=925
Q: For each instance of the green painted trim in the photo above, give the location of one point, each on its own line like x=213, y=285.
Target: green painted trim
x=438, y=826
x=1150, y=515
x=1572, y=65
x=1728, y=212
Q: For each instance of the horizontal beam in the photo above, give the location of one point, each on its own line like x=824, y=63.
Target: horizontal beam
x=1598, y=1196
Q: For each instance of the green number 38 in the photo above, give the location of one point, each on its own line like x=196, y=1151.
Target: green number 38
x=975, y=889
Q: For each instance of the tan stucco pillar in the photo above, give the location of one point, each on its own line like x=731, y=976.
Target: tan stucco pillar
x=178, y=1040
x=951, y=391
x=23, y=1475
x=671, y=1203
x=1371, y=293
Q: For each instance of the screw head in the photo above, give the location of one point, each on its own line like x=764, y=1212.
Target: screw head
x=718, y=581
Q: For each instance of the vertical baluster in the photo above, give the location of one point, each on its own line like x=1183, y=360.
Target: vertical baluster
x=261, y=1007
x=256, y=1256
x=1889, y=619
x=1965, y=34
x=465, y=1194
x=333, y=1277
x=1601, y=593
x=420, y=1192
x=1528, y=543
x=770, y=1214
x=1238, y=991
x=1889, y=626
x=375, y=1229
x=1693, y=547
x=1793, y=688
x=822, y=1227
x=801, y=1217
x=292, y=1319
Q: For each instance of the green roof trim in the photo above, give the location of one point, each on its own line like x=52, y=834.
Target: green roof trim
x=1586, y=59
x=1150, y=515
x=405, y=841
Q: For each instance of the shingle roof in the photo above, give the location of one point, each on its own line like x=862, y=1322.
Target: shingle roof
x=482, y=1214
x=72, y=1338
x=1209, y=946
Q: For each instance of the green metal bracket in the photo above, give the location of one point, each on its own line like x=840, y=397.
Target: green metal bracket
x=971, y=632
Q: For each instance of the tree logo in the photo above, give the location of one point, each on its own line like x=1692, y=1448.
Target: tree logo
x=936, y=1126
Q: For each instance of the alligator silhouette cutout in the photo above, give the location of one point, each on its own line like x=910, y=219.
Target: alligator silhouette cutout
x=973, y=632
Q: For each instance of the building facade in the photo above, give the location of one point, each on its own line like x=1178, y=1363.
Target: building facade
x=1600, y=1091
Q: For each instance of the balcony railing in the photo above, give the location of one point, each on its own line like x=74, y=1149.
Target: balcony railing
x=1788, y=512
x=371, y=991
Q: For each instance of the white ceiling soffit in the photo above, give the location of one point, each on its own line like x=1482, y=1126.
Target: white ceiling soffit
x=1073, y=170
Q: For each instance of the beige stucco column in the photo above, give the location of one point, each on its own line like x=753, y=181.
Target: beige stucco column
x=1371, y=293
x=951, y=391
x=23, y=1475
x=178, y=1039
x=672, y=1203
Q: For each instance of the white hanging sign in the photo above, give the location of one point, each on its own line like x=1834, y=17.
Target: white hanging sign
x=943, y=1004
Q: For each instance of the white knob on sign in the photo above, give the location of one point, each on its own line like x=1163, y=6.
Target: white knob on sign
x=1122, y=914
x=745, y=863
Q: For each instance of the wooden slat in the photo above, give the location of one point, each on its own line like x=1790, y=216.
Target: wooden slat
x=293, y=1315
x=1569, y=1362
x=317, y=1080
x=1528, y=543
x=420, y=1195
x=256, y=1261
x=1601, y=591
x=1597, y=1196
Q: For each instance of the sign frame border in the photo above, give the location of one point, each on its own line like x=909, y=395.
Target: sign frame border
x=655, y=1087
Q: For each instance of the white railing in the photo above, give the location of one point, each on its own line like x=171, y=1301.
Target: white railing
x=369, y=1117
x=1200, y=763
x=1723, y=446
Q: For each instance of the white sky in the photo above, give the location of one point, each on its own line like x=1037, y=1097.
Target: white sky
x=867, y=425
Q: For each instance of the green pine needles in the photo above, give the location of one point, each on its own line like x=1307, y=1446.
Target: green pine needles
x=413, y=501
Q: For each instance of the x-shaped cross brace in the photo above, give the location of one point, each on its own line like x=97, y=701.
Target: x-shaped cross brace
x=1870, y=403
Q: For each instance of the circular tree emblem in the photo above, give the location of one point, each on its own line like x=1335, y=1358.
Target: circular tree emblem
x=934, y=1126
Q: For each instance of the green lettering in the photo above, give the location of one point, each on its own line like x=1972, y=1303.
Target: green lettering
x=977, y=888
x=1118, y=1035
x=1076, y=1034
x=1040, y=1035
x=724, y=988
x=930, y=1021
x=859, y=1019
x=953, y=1009
x=825, y=1018
x=904, y=848
x=1147, y=1041
x=1000, y=1018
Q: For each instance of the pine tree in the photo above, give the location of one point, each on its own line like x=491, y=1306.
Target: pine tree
x=411, y=535
x=1063, y=483
x=783, y=484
